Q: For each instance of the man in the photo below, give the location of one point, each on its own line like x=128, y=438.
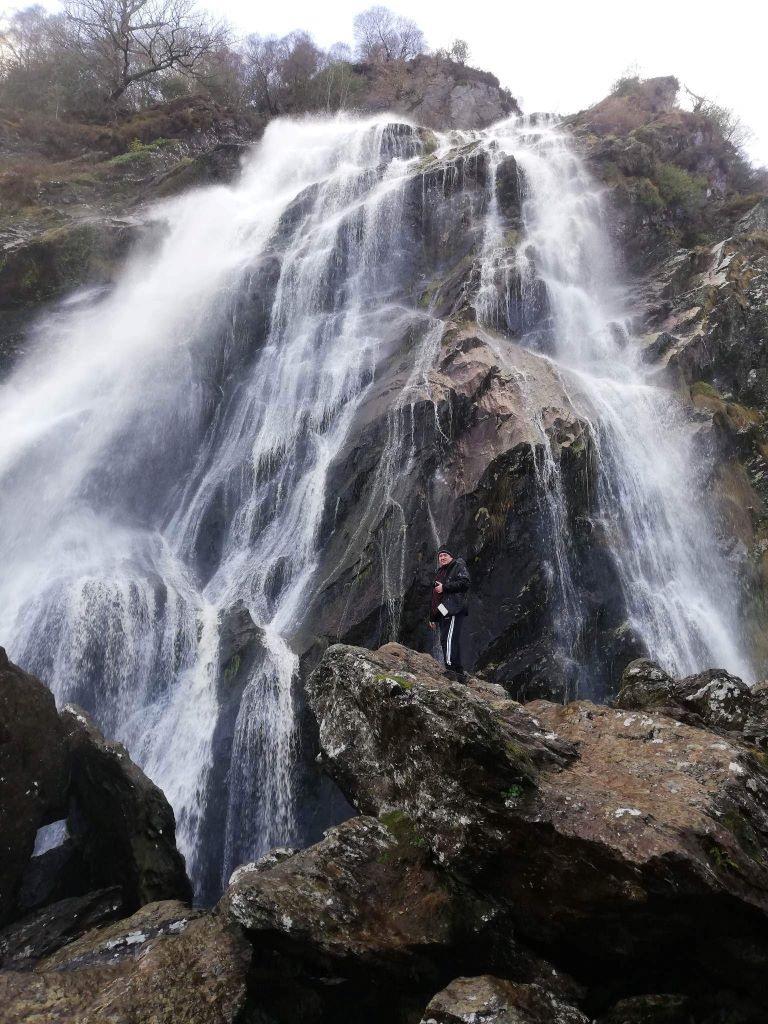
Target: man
x=449, y=606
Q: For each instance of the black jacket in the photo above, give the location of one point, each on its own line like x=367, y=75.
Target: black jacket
x=455, y=587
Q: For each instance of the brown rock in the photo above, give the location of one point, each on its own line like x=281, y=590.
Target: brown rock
x=617, y=838
x=495, y=1001
x=123, y=825
x=366, y=896
x=34, y=772
x=167, y=964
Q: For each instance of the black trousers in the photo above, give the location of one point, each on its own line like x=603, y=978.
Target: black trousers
x=450, y=641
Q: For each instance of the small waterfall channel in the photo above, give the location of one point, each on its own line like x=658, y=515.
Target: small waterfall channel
x=557, y=290
x=165, y=451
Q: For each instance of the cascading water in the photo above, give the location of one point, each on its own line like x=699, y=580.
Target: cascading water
x=158, y=472
x=165, y=451
x=680, y=592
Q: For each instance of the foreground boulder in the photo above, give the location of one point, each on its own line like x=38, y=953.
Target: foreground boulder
x=34, y=773
x=619, y=842
x=495, y=1001
x=122, y=824
x=713, y=699
x=368, y=907
x=166, y=964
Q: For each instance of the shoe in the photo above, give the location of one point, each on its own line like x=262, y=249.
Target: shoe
x=450, y=674
x=461, y=677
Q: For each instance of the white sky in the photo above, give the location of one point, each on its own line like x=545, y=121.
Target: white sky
x=563, y=55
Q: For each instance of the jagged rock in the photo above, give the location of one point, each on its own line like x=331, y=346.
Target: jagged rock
x=365, y=896
x=644, y=685
x=755, y=219
x=121, y=822
x=40, y=934
x=713, y=699
x=721, y=700
x=618, y=839
x=439, y=93
x=495, y=1001
x=167, y=964
x=34, y=772
x=368, y=736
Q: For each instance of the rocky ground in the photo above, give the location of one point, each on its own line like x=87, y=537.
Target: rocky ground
x=534, y=863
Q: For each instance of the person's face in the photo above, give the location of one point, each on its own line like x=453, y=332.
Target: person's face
x=444, y=559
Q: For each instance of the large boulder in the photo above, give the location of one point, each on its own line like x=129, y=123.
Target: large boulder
x=34, y=773
x=496, y=1001
x=619, y=840
x=122, y=824
x=167, y=964
x=368, y=907
x=713, y=699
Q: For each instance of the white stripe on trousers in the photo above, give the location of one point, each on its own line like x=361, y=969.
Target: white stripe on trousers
x=448, y=641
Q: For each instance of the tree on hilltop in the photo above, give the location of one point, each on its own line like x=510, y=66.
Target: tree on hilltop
x=128, y=41
x=382, y=36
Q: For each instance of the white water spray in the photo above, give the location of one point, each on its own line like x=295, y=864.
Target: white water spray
x=158, y=471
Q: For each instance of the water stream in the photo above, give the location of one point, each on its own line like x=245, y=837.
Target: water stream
x=164, y=449
x=680, y=590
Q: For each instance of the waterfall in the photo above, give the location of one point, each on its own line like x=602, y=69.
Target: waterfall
x=680, y=592
x=165, y=450
x=163, y=457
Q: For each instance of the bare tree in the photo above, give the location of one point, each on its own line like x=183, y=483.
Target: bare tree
x=131, y=40
x=264, y=57
x=459, y=51
x=383, y=36
x=25, y=39
x=728, y=123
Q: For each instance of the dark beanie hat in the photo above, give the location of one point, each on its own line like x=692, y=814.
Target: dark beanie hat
x=444, y=550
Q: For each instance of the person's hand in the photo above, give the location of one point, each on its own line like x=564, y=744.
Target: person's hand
x=439, y=588
x=433, y=625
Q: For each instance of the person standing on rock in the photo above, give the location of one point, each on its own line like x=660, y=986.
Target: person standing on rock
x=449, y=606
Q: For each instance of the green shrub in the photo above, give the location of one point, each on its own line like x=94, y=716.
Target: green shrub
x=679, y=188
x=647, y=194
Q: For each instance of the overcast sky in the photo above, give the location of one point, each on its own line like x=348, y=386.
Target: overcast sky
x=563, y=55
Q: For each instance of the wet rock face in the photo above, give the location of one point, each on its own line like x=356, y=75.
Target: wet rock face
x=618, y=840
x=121, y=822
x=166, y=963
x=473, y=473
x=34, y=773
x=495, y=1001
